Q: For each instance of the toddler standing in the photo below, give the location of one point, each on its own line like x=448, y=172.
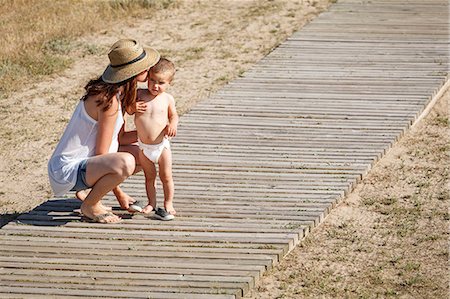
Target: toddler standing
x=154, y=127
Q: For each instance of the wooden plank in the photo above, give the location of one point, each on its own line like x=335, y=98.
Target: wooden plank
x=142, y=285
x=55, y=290
x=156, y=278
x=124, y=271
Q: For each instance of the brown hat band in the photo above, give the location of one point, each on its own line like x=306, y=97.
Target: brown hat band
x=140, y=57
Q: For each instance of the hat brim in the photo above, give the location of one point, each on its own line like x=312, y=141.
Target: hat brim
x=123, y=73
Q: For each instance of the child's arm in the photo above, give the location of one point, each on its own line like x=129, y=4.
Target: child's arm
x=173, y=119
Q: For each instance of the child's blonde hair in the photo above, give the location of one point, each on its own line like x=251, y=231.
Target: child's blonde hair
x=164, y=65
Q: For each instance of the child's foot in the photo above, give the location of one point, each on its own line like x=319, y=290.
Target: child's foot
x=147, y=209
x=162, y=214
x=169, y=208
x=82, y=194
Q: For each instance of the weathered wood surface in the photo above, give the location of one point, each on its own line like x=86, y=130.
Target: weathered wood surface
x=256, y=166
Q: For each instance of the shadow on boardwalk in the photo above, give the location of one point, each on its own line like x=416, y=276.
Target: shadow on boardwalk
x=56, y=212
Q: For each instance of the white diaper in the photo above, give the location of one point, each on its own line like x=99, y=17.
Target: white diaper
x=154, y=151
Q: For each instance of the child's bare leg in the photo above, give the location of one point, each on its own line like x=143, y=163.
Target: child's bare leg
x=165, y=174
x=150, y=177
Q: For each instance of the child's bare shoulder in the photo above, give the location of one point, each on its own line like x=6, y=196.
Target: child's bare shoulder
x=168, y=96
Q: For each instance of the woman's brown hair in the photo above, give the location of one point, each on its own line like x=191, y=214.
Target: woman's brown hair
x=108, y=90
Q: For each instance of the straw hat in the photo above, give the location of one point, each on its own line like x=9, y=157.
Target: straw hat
x=127, y=59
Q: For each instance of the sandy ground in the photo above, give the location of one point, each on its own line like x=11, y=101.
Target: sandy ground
x=387, y=239
x=211, y=42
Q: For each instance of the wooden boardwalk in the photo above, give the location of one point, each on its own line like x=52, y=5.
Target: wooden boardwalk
x=257, y=165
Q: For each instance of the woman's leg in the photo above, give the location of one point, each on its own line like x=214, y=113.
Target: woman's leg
x=81, y=195
x=104, y=173
x=124, y=199
x=134, y=150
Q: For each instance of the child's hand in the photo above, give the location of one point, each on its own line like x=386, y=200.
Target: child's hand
x=171, y=130
x=141, y=107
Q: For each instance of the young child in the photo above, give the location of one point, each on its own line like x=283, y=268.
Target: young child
x=154, y=127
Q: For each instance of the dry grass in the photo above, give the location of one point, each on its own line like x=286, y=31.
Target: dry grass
x=37, y=36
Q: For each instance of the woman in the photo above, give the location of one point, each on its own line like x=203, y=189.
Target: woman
x=86, y=156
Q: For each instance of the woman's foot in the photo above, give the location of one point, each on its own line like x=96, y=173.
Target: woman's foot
x=97, y=214
x=82, y=194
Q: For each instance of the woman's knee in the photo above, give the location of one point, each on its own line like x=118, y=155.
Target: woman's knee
x=126, y=164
